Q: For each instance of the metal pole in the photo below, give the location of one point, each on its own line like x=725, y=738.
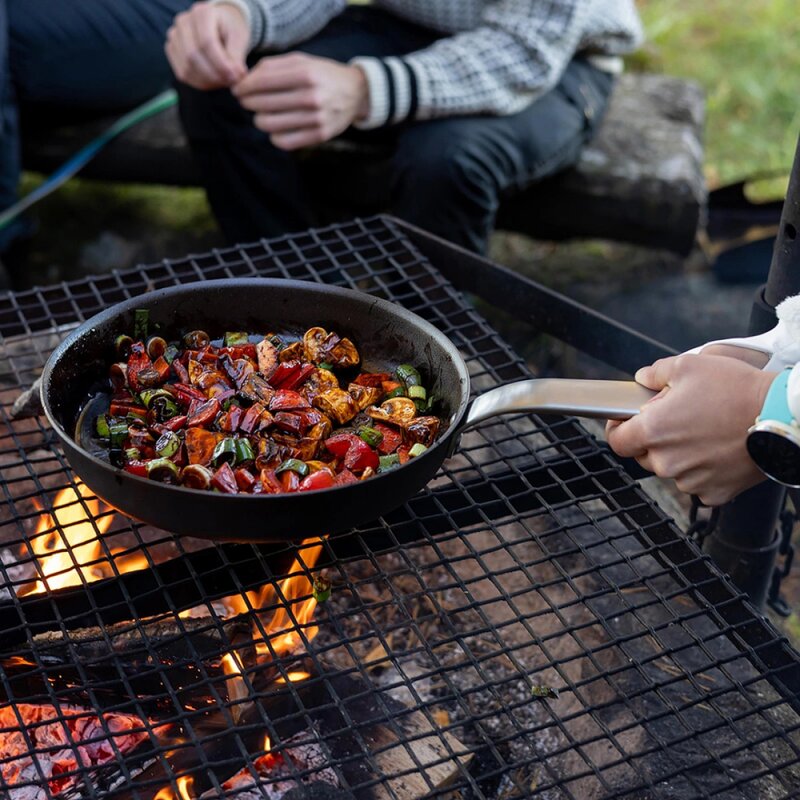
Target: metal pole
x=745, y=542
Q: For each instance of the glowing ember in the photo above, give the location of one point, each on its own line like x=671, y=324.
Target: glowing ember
x=295, y=676
x=67, y=544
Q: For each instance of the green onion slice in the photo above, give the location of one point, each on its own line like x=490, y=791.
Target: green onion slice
x=416, y=392
x=168, y=444
x=386, y=463
x=408, y=375
x=117, y=432
x=233, y=338
x=163, y=470
x=417, y=449
x=101, y=427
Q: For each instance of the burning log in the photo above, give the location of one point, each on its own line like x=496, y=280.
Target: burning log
x=46, y=747
x=299, y=763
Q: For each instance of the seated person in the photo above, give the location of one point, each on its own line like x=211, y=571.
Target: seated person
x=695, y=429
x=60, y=60
x=473, y=99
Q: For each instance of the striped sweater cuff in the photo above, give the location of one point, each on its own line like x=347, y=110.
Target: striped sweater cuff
x=392, y=91
x=254, y=16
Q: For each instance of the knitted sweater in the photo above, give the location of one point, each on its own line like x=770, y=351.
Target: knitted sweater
x=496, y=57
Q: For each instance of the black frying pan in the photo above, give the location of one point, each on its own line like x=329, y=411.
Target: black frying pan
x=386, y=335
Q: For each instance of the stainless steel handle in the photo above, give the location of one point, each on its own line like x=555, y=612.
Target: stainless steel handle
x=581, y=398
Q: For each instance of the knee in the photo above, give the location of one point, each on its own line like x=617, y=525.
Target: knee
x=455, y=165
x=210, y=115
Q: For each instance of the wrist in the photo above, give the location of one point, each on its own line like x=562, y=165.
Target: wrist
x=361, y=88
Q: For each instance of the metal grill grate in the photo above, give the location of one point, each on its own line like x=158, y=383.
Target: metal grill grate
x=531, y=562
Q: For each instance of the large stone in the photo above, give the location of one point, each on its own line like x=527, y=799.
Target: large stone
x=640, y=180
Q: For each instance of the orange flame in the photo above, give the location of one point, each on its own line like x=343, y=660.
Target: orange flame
x=281, y=631
x=294, y=677
x=67, y=544
x=184, y=790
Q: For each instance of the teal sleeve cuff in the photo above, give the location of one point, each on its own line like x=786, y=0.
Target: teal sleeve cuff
x=776, y=404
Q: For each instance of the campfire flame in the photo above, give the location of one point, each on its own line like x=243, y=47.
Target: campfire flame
x=280, y=634
x=185, y=783
x=67, y=544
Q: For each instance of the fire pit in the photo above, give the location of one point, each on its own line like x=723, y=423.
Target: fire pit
x=530, y=625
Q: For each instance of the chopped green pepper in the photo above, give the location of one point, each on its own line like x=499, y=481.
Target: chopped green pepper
x=295, y=465
x=417, y=449
x=276, y=341
x=244, y=451
x=233, y=338
x=372, y=436
x=141, y=318
x=225, y=451
x=326, y=365
x=398, y=392
x=544, y=692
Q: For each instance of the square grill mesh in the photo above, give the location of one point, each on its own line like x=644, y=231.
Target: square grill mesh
x=532, y=562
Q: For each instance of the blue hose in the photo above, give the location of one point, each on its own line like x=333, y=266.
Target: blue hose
x=87, y=153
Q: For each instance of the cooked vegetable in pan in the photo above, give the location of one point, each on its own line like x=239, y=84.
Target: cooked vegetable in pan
x=252, y=414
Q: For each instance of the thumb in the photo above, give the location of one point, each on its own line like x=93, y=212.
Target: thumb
x=235, y=35
x=657, y=375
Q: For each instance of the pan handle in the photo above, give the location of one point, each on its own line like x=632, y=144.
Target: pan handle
x=580, y=398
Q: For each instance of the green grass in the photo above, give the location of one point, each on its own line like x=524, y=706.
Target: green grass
x=747, y=57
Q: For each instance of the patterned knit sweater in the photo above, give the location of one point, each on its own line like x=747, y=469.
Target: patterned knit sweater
x=496, y=57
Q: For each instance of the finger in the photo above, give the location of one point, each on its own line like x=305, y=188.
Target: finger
x=236, y=40
x=274, y=102
x=294, y=140
x=291, y=121
x=627, y=439
x=196, y=70
x=208, y=40
x=611, y=424
x=276, y=74
x=657, y=375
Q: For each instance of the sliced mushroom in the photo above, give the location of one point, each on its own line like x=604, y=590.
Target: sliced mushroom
x=399, y=411
x=322, y=430
x=337, y=404
x=291, y=352
x=344, y=354
x=320, y=346
x=423, y=430
x=364, y=395
x=267, y=357
x=321, y=380
x=255, y=387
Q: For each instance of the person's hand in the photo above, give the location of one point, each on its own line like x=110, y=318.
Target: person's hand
x=695, y=429
x=302, y=100
x=207, y=45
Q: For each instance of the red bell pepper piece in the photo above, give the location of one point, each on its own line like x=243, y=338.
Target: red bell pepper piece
x=340, y=443
x=231, y=419
x=290, y=481
x=345, y=477
x=161, y=366
x=270, y=482
x=293, y=423
x=240, y=351
x=121, y=408
x=299, y=378
x=244, y=479
x=360, y=456
x=322, y=479
x=392, y=438
x=136, y=467
x=251, y=417
x=204, y=414
x=138, y=360
x=390, y=386
x=224, y=480
x=181, y=373
x=206, y=356
x=402, y=451
x=176, y=423
x=283, y=372
x=286, y=400
x=372, y=379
